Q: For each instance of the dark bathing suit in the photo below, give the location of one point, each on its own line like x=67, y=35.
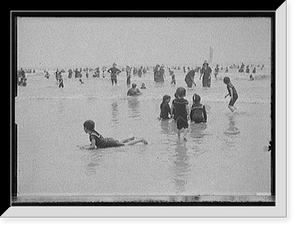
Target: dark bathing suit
x=198, y=113
x=235, y=95
x=180, y=113
x=165, y=110
x=102, y=142
x=114, y=71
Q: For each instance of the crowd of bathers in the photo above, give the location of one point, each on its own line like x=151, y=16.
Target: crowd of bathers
x=179, y=112
x=159, y=73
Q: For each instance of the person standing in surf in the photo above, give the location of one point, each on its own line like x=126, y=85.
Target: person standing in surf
x=165, y=110
x=205, y=73
x=232, y=93
x=113, y=74
x=189, y=79
x=133, y=91
x=180, y=112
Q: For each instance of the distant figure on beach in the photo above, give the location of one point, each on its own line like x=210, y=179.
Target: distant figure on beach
x=143, y=86
x=98, y=141
x=189, y=78
x=70, y=72
x=60, y=82
x=87, y=73
x=139, y=72
x=47, y=75
x=247, y=69
x=205, y=74
x=113, y=73
x=173, y=81
x=180, y=111
x=216, y=71
x=232, y=93
x=159, y=73
x=57, y=74
x=81, y=82
x=128, y=75
x=251, y=78
x=133, y=91
x=198, y=111
x=165, y=110
x=103, y=71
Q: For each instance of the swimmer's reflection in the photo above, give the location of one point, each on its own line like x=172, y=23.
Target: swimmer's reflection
x=134, y=106
x=198, y=130
x=166, y=127
x=93, y=163
x=181, y=167
x=114, y=111
x=232, y=129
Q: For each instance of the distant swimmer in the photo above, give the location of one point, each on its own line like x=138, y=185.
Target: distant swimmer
x=113, y=74
x=60, y=82
x=98, y=141
x=216, y=71
x=143, y=86
x=189, y=79
x=173, y=81
x=47, y=75
x=232, y=93
x=128, y=75
x=133, y=91
x=198, y=111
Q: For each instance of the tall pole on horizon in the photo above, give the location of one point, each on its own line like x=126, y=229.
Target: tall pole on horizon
x=210, y=59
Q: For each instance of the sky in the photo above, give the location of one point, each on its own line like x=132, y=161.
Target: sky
x=91, y=42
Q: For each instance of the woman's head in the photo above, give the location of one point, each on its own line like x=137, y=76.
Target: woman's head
x=89, y=125
x=226, y=80
x=180, y=92
x=196, y=98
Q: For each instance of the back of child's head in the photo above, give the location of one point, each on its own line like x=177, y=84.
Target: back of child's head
x=196, y=98
x=89, y=124
x=226, y=80
x=166, y=97
x=180, y=92
x=133, y=85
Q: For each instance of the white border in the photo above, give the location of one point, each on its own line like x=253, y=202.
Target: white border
x=278, y=211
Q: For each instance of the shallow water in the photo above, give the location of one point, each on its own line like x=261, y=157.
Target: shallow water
x=226, y=156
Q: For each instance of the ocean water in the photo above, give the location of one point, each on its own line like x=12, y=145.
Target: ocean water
x=226, y=156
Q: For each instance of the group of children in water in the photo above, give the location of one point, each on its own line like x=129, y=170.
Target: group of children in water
x=179, y=112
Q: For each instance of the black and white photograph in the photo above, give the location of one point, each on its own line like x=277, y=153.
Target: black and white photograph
x=164, y=110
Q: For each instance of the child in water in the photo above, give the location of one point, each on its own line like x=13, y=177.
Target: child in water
x=198, y=112
x=98, y=141
x=165, y=109
x=180, y=111
x=232, y=93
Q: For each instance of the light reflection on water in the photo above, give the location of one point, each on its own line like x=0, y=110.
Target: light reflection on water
x=181, y=167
